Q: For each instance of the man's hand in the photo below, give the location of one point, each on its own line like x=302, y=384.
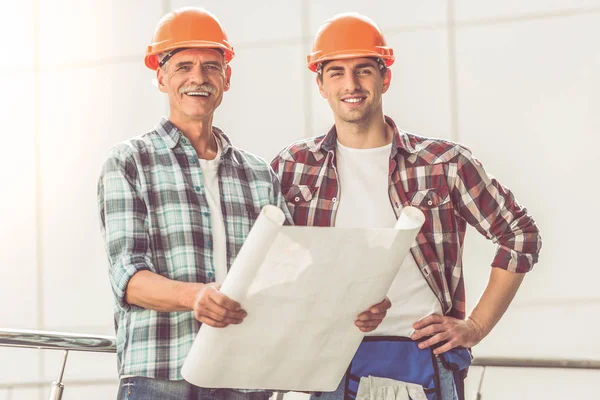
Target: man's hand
x=369, y=320
x=455, y=331
x=213, y=308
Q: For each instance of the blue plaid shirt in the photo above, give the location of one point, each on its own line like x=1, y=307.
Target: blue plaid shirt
x=155, y=216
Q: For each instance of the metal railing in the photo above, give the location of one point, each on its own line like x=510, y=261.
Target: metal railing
x=106, y=344
x=507, y=362
x=57, y=341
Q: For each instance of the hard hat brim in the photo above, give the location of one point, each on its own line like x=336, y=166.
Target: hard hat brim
x=316, y=58
x=151, y=59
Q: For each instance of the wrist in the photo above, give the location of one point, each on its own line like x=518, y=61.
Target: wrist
x=187, y=294
x=477, y=328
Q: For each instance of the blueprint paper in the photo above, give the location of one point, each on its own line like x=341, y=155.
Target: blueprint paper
x=303, y=288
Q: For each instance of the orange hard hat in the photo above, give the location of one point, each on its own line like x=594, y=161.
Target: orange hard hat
x=184, y=28
x=349, y=35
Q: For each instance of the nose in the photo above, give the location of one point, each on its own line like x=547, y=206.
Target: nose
x=198, y=76
x=351, y=83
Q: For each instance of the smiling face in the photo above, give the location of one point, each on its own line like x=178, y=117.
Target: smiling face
x=353, y=88
x=195, y=80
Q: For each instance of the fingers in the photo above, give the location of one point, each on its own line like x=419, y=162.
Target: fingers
x=381, y=307
x=220, y=316
x=223, y=301
x=224, y=312
x=368, y=326
x=437, y=328
x=440, y=337
x=376, y=312
x=433, y=340
x=368, y=315
x=215, y=309
x=428, y=320
x=442, y=349
x=427, y=331
x=211, y=322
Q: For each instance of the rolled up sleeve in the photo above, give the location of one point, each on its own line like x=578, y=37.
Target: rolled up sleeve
x=493, y=210
x=123, y=218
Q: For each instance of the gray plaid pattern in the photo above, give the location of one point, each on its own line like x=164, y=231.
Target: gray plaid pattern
x=154, y=216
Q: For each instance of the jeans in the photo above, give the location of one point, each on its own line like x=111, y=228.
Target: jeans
x=139, y=388
x=448, y=388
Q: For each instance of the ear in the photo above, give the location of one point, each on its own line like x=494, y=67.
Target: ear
x=320, y=85
x=387, y=80
x=227, y=78
x=160, y=78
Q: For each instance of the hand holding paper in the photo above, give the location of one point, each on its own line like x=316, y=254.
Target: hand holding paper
x=303, y=288
x=212, y=307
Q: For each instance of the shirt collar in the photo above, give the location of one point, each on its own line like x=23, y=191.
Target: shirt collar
x=171, y=135
x=400, y=141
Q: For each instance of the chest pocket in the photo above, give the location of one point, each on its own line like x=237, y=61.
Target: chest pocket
x=298, y=195
x=430, y=198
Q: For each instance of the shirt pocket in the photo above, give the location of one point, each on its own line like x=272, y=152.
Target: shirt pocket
x=298, y=194
x=430, y=198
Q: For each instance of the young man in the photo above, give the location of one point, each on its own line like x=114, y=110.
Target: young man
x=176, y=204
x=362, y=173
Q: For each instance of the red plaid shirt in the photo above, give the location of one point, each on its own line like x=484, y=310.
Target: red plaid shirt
x=443, y=180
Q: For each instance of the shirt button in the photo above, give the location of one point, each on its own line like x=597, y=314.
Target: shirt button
x=297, y=199
x=210, y=274
x=430, y=203
x=183, y=140
x=193, y=160
x=334, y=199
x=197, y=188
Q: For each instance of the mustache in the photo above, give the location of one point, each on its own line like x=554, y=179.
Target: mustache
x=205, y=87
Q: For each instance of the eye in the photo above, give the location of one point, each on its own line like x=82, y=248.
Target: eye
x=364, y=71
x=184, y=68
x=334, y=74
x=213, y=67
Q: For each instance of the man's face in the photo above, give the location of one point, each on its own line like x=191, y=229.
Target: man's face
x=195, y=80
x=353, y=88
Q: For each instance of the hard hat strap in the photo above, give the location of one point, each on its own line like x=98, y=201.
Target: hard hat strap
x=168, y=56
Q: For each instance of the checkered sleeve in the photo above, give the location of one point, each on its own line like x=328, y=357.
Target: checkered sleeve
x=279, y=200
x=493, y=210
x=123, y=223
x=277, y=168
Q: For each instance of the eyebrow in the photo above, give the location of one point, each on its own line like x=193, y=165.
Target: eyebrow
x=182, y=63
x=334, y=68
x=365, y=65
x=218, y=64
x=339, y=68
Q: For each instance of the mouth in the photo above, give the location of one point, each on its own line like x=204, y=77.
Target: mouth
x=198, y=94
x=354, y=100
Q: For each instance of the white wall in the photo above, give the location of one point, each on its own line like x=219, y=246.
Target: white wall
x=515, y=81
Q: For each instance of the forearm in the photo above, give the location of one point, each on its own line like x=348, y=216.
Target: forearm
x=149, y=290
x=496, y=298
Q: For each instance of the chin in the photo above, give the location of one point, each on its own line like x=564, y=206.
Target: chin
x=353, y=118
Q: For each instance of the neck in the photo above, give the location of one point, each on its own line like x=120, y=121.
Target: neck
x=199, y=133
x=364, y=135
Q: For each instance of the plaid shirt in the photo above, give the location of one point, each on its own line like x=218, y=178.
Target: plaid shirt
x=155, y=216
x=441, y=178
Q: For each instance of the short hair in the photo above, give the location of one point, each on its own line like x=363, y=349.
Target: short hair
x=321, y=67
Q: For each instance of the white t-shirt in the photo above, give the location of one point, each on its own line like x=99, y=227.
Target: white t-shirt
x=211, y=183
x=364, y=203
